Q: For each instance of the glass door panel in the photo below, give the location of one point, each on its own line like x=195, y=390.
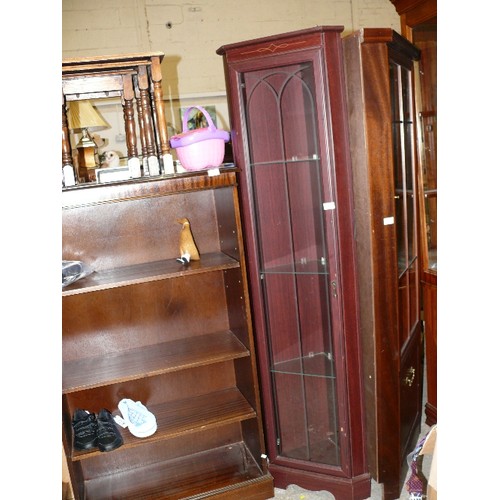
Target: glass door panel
x=400, y=234
x=408, y=165
x=410, y=227
x=403, y=309
x=431, y=227
x=413, y=278
x=287, y=200
x=302, y=367
x=288, y=197
x=405, y=200
x=426, y=40
x=406, y=94
x=408, y=159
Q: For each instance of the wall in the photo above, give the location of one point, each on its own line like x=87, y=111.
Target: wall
x=189, y=33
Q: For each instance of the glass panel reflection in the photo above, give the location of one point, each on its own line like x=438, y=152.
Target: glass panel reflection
x=406, y=95
x=413, y=290
x=410, y=226
x=302, y=366
x=400, y=233
x=403, y=309
x=431, y=228
x=288, y=204
x=395, y=92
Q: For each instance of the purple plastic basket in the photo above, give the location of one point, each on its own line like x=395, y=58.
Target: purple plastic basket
x=201, y=148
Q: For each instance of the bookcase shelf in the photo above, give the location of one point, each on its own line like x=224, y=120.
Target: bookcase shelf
x=176, y=337
x=232, y=466
x=149, y=271
x=87, y=373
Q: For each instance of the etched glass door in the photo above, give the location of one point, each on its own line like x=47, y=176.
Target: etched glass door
x=287, y=196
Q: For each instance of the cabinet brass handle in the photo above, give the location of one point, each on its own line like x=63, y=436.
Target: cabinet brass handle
x=410, y=377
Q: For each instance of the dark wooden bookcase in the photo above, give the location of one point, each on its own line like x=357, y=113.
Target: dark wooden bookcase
x=289, y=134
x=380, y=86
x=178, y=338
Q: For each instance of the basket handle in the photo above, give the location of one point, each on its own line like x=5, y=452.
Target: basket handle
x=211, y=125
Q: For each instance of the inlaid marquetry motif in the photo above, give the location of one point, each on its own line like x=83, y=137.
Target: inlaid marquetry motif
x=272, y=47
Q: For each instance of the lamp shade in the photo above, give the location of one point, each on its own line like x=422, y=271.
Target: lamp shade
x=83, y=115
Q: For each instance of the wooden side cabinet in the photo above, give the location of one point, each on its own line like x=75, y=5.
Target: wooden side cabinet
x=176, y=337
x=289, y=136
x=419, y=25
x=379, y=78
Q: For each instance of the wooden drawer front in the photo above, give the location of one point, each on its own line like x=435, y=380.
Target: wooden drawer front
x=410, y=392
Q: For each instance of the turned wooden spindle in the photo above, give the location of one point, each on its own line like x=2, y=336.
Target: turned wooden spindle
x=67, y=158
x=157, y=91
x=128, y=115
x=145, y=104
x=140, y=120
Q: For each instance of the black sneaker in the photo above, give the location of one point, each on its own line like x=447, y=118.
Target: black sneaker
x=108, y=435
x=84, y=429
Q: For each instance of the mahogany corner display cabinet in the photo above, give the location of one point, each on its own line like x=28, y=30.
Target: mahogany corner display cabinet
x=380, y=86
x=176, y=337
x=288, y=114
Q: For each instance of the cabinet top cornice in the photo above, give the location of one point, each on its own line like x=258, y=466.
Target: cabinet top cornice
x=276, y=38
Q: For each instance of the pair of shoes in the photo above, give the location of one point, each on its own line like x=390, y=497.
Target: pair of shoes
x=140, y=421
x=92, y=431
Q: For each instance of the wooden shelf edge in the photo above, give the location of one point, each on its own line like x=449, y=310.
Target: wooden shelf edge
x=178, y=418
x=89, y=194
x=149, y=361
x=218, y=471
x=149, y=271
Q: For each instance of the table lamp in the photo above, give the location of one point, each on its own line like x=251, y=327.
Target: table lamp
x=84, y=117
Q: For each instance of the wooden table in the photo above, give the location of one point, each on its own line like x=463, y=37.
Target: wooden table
x=132, y=77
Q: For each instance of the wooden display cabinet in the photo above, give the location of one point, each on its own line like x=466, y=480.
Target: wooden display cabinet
x=379, y=78
x=419, y=25
x=425, y=38
x=176, y=337
x=289, y=136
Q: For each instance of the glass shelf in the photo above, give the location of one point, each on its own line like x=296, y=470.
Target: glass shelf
x=314, y=158
x=302, y=267
x=313, y=365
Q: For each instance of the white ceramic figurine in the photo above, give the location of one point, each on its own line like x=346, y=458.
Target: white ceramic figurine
x=110, y=159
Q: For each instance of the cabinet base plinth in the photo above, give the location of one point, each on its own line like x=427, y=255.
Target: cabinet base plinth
x=356, y=488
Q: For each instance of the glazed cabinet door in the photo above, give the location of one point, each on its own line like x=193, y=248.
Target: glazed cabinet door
x=291, y=209
x=402, y=105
